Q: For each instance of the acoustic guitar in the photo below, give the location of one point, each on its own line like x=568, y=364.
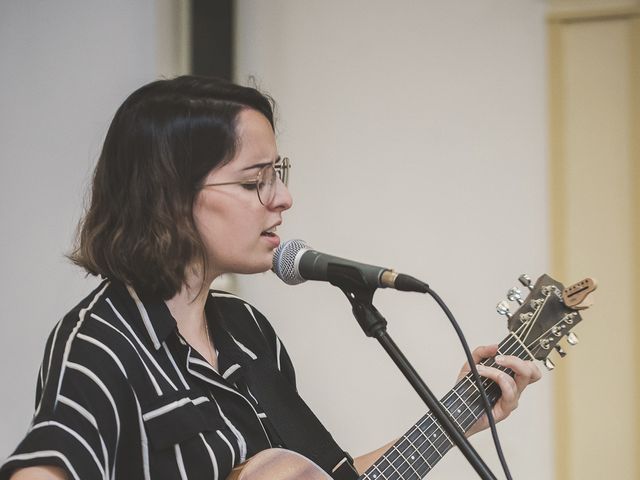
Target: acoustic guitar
x=546, y=316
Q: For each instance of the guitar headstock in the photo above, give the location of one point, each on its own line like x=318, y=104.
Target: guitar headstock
x=546, y=316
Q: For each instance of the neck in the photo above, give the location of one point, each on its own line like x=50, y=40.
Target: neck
x=187, y=306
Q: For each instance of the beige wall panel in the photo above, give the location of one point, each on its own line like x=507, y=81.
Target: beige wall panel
x=173, y=34
x=635, y=176
x=598, y=435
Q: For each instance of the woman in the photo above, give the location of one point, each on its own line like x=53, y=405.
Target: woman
x=153, y=375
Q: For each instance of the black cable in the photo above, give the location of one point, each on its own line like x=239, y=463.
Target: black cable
x=477, y=379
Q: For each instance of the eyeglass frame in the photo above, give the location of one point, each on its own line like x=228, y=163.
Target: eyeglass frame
x=281, y=166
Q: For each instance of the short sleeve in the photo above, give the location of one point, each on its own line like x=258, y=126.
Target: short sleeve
x=78, y=422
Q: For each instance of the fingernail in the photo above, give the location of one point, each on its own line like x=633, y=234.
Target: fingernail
x=499, y=358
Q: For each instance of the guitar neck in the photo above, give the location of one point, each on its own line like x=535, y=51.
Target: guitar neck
x=424, y=444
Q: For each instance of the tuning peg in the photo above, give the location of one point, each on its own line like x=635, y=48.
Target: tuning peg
x=573, y=339
x=503, y=308
x=515, y=294
x=549, y=364
x=560, y=351
x=525, y=280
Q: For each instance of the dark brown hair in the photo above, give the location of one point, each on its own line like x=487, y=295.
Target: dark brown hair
x=163, y=141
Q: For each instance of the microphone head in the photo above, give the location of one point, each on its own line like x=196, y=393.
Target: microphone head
x=284, y=261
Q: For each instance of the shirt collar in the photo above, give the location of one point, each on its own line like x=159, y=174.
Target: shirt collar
x=231, y=349
x=155, y=321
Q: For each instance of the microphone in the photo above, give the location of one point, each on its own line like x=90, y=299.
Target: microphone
x=295, y=262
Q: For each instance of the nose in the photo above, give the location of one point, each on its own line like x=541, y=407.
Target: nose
x=282, y=200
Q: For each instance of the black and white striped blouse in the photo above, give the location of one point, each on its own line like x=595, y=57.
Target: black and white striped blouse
x=121, y=395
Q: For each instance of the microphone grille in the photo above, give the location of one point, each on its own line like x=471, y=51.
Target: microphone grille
x=284, y=261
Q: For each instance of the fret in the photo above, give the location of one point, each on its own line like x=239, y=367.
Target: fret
x=432, y=434
x=410, y=462
x=399, y=475
x=456, y=422
x=512, y=346
x=420, y=449
x=380, y=467
x=415, y=433
x=374, y=474
x=463, y=405
x=405, y=462
x=411, y=451
x=393, y=465
x=416, y=451
x=473, y=384
x=392, y=455
x=473, y=408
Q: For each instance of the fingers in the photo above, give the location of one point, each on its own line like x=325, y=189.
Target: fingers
x=483, y=352
x=510, y=393
x=526, y=372
x=478, y=355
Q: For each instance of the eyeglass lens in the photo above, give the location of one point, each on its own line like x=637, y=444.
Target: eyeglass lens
x=267, y=179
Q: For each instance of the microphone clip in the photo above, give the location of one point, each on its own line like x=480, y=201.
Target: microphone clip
x=352, y=283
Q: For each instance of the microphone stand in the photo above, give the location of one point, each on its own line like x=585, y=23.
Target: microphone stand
x=350, y=281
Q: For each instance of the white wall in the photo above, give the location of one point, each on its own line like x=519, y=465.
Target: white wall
x=66, y=68
x=418, y=135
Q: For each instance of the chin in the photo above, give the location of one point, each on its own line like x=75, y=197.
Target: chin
x=258, y=267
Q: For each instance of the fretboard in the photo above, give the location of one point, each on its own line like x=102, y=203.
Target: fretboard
x=418, y=450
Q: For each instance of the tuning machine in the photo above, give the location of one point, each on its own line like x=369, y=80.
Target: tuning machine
x=515, y=295
x=549, y=364
x=503, y=308
x=572, y=339
x=525, y=280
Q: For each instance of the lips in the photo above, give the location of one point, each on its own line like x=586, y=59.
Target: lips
x=271, y=231
x=270, y=236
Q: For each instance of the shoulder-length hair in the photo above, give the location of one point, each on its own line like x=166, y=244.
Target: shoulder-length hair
x=163, y=141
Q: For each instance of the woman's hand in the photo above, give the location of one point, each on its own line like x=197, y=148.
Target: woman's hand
x=526, y=372
x=43, y=472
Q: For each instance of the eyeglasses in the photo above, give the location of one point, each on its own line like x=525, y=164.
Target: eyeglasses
x=265, y=182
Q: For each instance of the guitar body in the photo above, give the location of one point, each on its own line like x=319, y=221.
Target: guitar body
x=278, y=464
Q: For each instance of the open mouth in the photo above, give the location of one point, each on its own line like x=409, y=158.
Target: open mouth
x=269, y=233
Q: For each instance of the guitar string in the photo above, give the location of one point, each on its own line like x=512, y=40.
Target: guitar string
x=441, y=444
x=407, y=449
x=470, y=413
x=545, y=333
x=535, y=318
x=486, y=383
x=461, y=409
x=443, y=439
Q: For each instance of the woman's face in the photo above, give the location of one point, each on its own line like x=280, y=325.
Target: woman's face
x=237, y=230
